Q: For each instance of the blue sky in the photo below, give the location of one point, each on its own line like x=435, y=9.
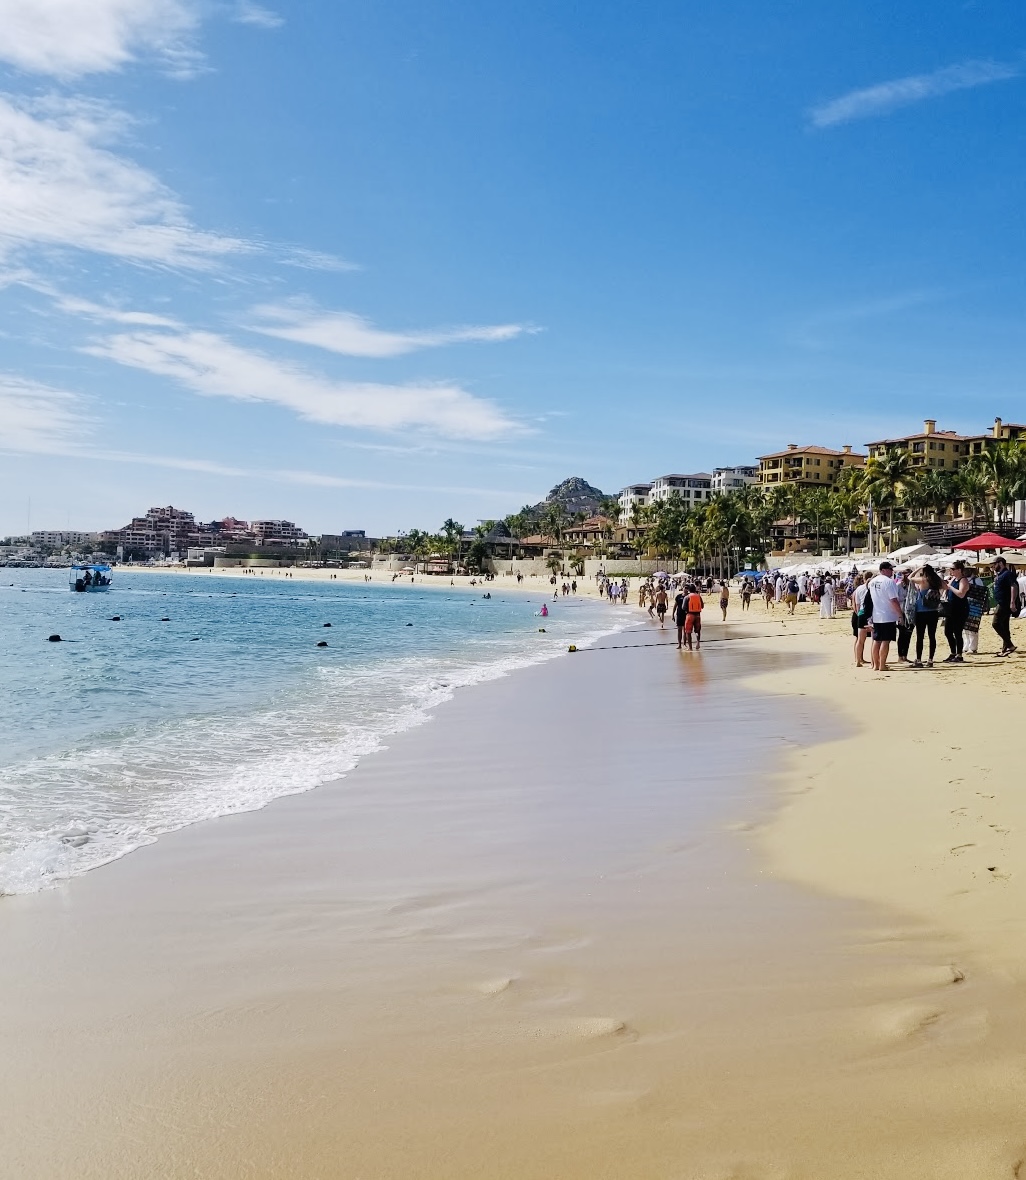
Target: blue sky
x=371, y=265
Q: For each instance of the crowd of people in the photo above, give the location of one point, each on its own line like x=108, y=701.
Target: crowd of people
x=905, y=608
x=888, y=609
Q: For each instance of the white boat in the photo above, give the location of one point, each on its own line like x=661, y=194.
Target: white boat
x=89, y=577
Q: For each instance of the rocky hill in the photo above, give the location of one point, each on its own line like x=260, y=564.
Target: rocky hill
x=575, y=495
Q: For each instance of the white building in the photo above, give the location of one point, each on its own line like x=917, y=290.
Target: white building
x=65, y=537
x=727, y=479
x=634, y=494
x=692, y=489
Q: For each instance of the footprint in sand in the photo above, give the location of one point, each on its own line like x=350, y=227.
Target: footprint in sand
x=959, y=848
x=903, y=1022
x=581, y=1028
x=495, y=987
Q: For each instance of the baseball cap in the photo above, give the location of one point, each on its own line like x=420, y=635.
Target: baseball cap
x=886, y=565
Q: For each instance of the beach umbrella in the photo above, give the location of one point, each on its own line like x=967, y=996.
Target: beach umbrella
x=990, y=541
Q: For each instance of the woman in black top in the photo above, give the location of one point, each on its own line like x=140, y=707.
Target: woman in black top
x=956, y=611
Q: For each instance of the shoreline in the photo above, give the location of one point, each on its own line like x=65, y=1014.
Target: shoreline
x=369, y=978
x=532, y=583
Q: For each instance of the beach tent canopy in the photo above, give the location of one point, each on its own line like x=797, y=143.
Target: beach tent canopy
x=909, y=551
x=990, y=541
x=758, y=575
x=1016, y=559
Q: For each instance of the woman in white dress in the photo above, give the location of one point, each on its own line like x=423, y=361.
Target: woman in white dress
x=826, y=599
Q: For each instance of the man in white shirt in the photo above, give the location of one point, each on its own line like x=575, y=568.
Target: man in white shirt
x=886, y=613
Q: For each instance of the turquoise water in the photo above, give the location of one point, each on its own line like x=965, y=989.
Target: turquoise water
x=127, y=730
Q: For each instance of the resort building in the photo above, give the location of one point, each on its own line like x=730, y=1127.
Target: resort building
x=729, y=479
x=946, y=449
x=633, y=496
x=589, y=533
x=42, y=537
x=809, y=467
x=1000, y=432
x=694, y=489
x=277, y=532
x=929, y=448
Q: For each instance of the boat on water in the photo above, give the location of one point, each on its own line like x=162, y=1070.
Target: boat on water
x=85, y=578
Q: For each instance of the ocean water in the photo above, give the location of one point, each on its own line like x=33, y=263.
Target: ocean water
x=128, y=730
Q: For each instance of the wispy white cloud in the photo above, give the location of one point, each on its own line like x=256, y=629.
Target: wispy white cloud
x=212, y=366
x=901, y=92
x=314, y=259
x=352, y=335
x=62, y=186
x=248, y=13
x=71, y=38
x=105, y=313
x=38, y=419
x=818, y=329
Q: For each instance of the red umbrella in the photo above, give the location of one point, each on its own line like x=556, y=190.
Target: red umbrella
x=990, y=541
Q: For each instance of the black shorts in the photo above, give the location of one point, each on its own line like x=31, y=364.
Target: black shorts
x=885, y=632
x=856, y=626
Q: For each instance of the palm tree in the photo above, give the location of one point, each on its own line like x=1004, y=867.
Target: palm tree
x=453, y=532
x=817, y=504
x=885, y=476
x=972, y=486
x=937, y=490
x=553, y=520
x=1003, y=464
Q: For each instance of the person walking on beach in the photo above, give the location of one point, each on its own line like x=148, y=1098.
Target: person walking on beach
x=907, y=623
x=826, y=598
x=724, y=598
x=768, y=594
x=746, y=594
x=887, y=610
x=929, y=592
x=956, y=610
x=680, y=616
x=977, y=600
x=660, y=604
x=693, y=622
x=1006, y=594
x=861, y=616
x=791, y=595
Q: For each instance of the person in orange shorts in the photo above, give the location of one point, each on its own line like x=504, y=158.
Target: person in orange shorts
x=693, y=620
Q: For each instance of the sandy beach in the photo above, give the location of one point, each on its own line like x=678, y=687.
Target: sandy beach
x=743, y=915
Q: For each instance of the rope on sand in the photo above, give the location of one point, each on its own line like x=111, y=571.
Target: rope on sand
x=705, y=642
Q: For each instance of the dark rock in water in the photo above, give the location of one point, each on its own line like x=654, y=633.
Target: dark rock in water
x=54, y=639
x=409, y=624
x=115, y=618
x=325, y=624
x=323, y=643
x=165, y=619
x=194, y=639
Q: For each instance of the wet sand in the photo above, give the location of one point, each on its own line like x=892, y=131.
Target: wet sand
x=540, y=936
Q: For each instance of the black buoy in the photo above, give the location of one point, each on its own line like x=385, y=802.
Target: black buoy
x=54, y=639
x=115, y=618
x=409, y=624
x=323, y=643
x=165, y=619
x=325, y=624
